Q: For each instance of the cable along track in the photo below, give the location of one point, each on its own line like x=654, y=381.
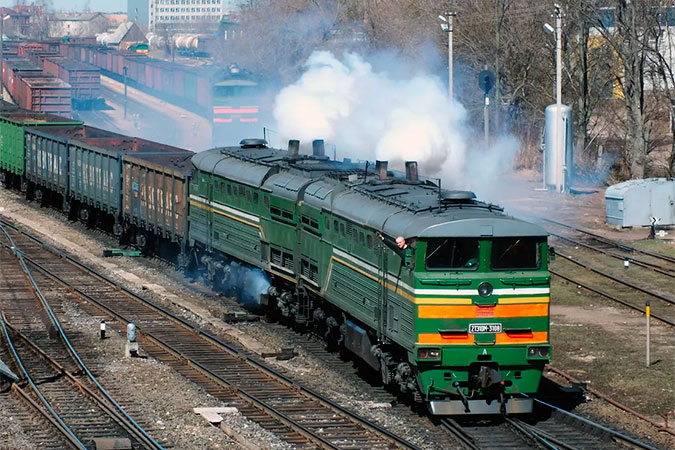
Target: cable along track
x=80, y=410
x=295, y=413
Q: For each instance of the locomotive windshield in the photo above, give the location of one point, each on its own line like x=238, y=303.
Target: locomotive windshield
x=452, y=254
x=516, y=253
x=235, y=91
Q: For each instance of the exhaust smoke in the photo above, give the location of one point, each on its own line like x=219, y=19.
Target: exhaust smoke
x=372, y=115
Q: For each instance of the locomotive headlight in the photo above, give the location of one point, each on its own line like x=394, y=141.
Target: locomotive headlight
x=539, y=352
x=428, y=353
x=485, y=289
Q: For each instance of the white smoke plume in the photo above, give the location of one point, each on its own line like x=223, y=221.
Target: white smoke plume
x=372, y=115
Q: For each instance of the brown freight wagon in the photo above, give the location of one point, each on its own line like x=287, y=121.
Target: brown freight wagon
x=84, y=80
x=42, y=92
x=38, y=56
x=13, y=67
x=155, y=190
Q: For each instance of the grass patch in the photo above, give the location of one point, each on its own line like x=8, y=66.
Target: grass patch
x=595, y=340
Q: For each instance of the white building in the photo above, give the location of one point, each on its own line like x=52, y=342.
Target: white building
x=179, y=13
x=76, y=25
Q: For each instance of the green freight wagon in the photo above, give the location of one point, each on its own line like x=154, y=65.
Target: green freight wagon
x=13, y=145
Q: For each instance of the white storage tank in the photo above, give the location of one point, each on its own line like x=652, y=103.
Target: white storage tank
x=633, y=203
x=551, y=165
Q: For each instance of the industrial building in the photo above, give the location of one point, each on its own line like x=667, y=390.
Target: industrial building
x=179, y=14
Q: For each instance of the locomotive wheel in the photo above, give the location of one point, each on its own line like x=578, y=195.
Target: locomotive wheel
x=84, y=213
x=141, y=240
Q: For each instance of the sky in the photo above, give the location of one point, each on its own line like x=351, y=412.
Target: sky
x=77, y=5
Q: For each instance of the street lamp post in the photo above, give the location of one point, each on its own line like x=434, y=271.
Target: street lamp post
x=447, y=27
x=560, y=157
x=125, y=69
x=560, y=153
x=2, y=48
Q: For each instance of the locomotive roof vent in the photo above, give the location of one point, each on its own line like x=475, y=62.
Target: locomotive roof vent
x=457, y=196
x=253, y=143
x=318, y=148
x=293, y=148
x=411, y=171
x=381, y=168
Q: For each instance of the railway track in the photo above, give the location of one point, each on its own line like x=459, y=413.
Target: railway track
x=610, y=242
x=77, y=408
x=560, y=430
x=617, y=288
x=295, y=413
x=658, y=268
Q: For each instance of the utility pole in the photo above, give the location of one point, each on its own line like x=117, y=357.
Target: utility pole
x=560, y=141
x=2, y=48
x=125, y=68
x=486, y=119
x=447, y=27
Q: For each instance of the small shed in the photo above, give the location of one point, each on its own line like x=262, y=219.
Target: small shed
x=633, y=203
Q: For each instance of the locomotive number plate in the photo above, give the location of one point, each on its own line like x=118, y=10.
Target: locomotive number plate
x=478, y=328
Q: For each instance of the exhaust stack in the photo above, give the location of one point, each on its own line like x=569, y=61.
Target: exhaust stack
x=318, y=148
x=381, y=168
x=294, y=148
x=411, y=171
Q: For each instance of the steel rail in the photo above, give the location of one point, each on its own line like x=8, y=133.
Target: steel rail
x=529, y=431
x=611, y=297
x=615, y=434
x=598, y=394
x=283, y=418
x=456, y=430
x=60, y=424
x=26, y=397
x=611, y=242
x=615, y=279
x=129, y=423
x=101, y=402
x=654, y=267
x=378, y=430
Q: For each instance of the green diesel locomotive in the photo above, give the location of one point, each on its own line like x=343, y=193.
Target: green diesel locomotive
x=446, y=296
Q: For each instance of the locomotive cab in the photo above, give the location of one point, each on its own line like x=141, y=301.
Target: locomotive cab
x=482, y=318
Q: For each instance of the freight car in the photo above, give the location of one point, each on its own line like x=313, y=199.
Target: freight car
x=88, y=176
x=155, y=198
x=445, y=296
x=187, y=87
x=33, y=89
x=84, y=80
x=13, y=121
x=230, y=97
